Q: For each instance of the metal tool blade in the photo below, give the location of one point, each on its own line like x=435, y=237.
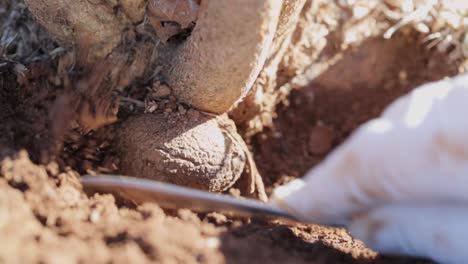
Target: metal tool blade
x=176, y=197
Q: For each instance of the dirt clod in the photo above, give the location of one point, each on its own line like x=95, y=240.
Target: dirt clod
x=176, y=148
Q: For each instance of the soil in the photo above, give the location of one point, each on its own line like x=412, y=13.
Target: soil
x=47, y=218
x=318, y=117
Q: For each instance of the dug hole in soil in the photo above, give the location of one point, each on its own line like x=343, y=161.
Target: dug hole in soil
x=45, y=217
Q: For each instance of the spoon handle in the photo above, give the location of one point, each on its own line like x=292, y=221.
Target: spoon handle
x=171, y=196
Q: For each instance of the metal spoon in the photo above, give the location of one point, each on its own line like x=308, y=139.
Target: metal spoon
x=171, y=196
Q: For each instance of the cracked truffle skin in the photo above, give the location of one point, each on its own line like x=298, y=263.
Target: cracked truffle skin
x=192, y=150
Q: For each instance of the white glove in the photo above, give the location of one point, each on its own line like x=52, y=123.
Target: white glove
x=400, y=183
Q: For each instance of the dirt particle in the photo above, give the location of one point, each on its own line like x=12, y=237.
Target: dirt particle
x=161, y=90
x=216, y=218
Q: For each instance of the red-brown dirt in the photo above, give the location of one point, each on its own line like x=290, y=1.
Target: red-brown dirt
x=45, y=217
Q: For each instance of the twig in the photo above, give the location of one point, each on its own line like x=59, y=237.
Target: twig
x=138, y=103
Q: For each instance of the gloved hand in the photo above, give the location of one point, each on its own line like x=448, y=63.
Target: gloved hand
x=400, y=182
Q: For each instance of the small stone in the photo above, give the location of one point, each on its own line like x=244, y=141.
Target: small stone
x=95, y=216
x=52, y=168
x=161, y=91
x=182, y=110
x=216, y=218
x=151, y=107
